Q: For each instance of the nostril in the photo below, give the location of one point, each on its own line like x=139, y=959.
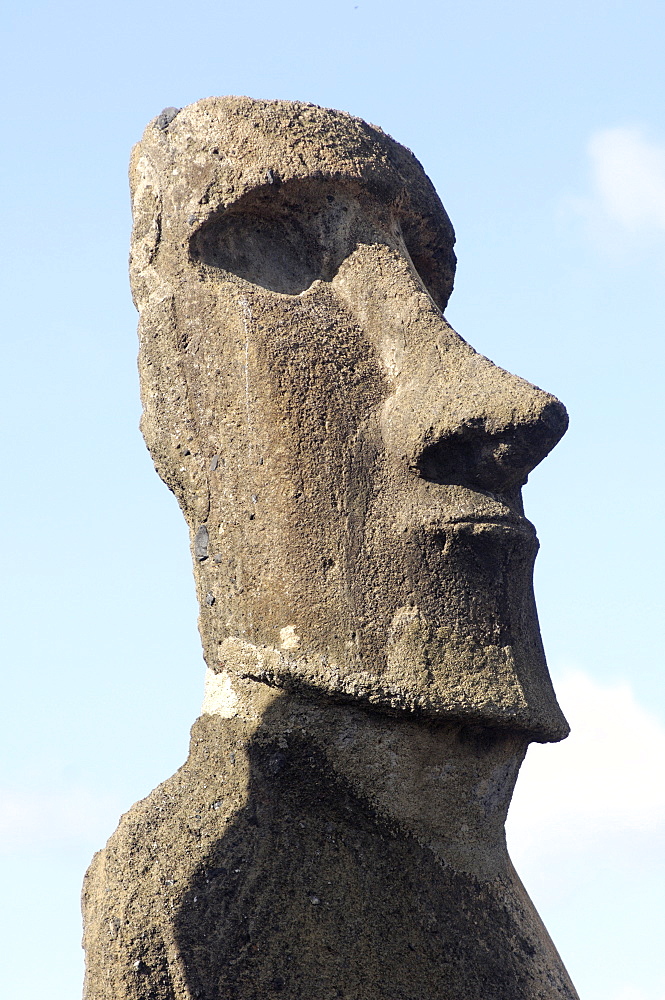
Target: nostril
x=493, y=460
x=467, y=459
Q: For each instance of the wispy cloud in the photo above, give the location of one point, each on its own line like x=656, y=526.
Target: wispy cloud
x=625, y=207
x=604, y=781
x=628, y=176
x=587, y=833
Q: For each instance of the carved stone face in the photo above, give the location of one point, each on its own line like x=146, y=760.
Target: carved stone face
x=349, y=467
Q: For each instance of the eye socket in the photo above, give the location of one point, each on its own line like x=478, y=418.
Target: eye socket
x=429, y=243
x=283, y=237
x=280, y=236
x=277, y=252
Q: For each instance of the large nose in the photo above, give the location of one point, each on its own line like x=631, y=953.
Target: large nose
x=452, y=415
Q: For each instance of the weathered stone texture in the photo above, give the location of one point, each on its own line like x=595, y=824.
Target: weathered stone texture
x=354, y=464
x=264, y=868
x=350, y=470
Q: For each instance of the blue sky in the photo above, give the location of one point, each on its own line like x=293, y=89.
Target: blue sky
x=542, y=128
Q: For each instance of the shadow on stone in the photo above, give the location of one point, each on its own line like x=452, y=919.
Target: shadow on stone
x=310, y=894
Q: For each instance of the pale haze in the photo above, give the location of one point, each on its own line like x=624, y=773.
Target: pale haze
x=542, y=130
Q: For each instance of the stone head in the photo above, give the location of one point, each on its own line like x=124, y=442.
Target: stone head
x=349, y=467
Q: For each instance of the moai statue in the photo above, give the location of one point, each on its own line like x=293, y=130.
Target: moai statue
x=350, y=470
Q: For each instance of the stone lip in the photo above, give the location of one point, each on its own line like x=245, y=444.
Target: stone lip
x=474, y=701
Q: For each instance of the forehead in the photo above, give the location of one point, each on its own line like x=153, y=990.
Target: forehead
x=215, y=153
x=236, y=144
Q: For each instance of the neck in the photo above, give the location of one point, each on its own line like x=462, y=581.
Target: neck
x=447, y=784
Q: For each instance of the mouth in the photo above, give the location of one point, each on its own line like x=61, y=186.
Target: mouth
x=458, y=511
x=510, y=522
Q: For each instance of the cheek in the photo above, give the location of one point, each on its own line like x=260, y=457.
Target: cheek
x=322, y=388
x=284, y=393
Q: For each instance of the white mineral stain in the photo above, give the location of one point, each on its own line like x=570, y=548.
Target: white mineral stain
x=219, y=698
x=288, y=638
